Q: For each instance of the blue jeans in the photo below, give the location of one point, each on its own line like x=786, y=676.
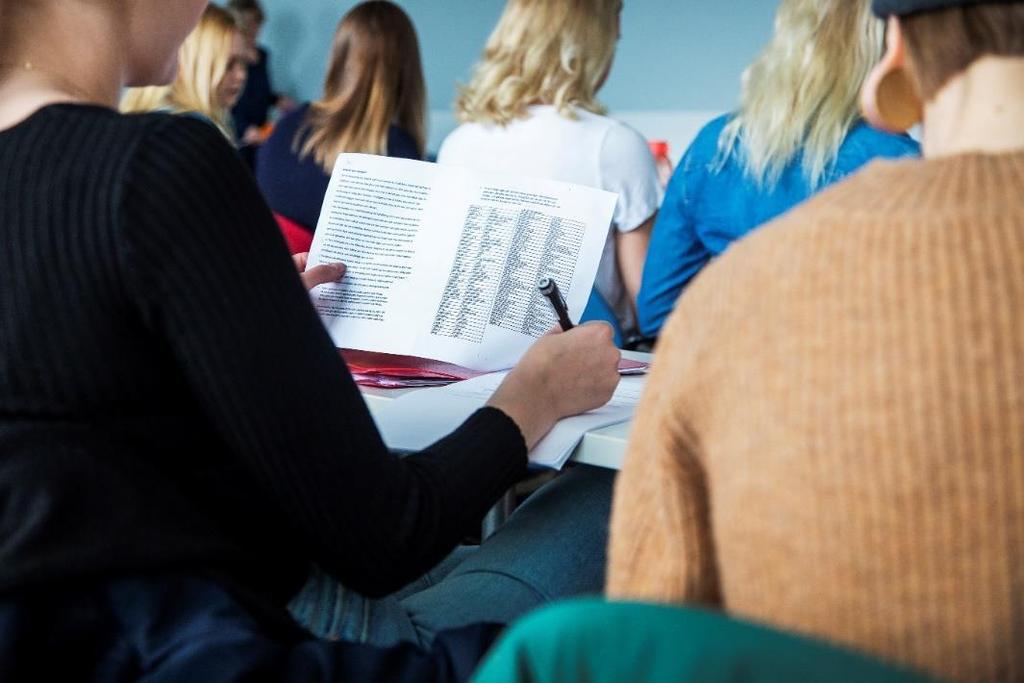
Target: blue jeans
x=552, y=547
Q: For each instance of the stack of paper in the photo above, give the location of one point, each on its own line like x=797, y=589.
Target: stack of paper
x=418, y=419
x=387, y=371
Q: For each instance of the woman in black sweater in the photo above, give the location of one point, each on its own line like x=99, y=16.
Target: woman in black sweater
x=168, y=474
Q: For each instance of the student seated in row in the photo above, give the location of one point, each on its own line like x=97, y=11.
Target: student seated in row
x=180, y=442
x=531, y=109
x=252, y=111
x=832, y=437
x=797, y=130
x=374, y=102
x=211, y=75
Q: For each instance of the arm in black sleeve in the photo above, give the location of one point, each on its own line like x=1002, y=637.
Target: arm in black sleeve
x=211, y=275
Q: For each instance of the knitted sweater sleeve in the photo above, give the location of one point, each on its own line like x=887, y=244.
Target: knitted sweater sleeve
x=661, y=547
x=214, y=284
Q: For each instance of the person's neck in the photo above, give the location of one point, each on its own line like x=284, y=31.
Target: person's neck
x=980, y=110
x=51, y=53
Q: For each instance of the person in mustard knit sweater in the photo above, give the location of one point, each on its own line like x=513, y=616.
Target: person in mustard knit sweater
x=832, y=439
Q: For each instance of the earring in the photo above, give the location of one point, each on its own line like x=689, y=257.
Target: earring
x=890, y=102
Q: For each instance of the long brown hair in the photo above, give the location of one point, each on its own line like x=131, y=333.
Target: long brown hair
x=374, y=79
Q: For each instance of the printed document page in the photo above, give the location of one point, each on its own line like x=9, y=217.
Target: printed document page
x=418, y=419
x=443, y=261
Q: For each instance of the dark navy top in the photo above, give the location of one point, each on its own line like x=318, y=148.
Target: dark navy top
x=257, y=97
x=295, y=187
x=705, y=209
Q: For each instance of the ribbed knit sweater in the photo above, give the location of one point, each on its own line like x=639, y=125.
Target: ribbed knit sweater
x=169, y=400
x=832, y=438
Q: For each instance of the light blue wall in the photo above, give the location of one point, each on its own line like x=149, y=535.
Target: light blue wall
x=674, y=54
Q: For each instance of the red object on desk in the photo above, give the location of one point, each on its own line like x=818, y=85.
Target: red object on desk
x=298, y=238
x=388, y=371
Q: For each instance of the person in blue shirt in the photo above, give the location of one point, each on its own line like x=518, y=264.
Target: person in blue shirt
x=374, y=102
x=798, y=129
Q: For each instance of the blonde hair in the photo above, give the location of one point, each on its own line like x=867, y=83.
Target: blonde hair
x=202, y=63
x=374, y=79
x=801, y=95
x=555, y=52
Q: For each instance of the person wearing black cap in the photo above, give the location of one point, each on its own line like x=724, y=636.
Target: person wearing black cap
x=831, y=441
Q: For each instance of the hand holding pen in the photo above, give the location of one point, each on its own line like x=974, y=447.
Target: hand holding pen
x=549, y=288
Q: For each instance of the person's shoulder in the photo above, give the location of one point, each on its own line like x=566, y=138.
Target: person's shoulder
x=110, y=134
x=790, y=260
x=835, y=216
x=293, y=119
x=697, y=165
x=867, y=142
x=105, y=122
x=827, y=228
x=182, y=167
x=460, y=144
x=626, y=166
x=620, y=142
x=627, y=134
x=610, y=127
x=185, y=130
x=182, y=150
x=282, y=138
x=401, y=144
x=704, y=146
x=467, y=129
x=711, y=131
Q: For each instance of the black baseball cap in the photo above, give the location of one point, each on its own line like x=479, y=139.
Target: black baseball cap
x=884, y=8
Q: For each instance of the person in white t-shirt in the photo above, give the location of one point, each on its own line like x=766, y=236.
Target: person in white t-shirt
x=531, y=109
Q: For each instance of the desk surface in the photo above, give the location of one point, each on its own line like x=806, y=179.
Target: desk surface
x=601, y=447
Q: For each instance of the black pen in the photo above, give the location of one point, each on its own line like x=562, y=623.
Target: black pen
x=549, y=288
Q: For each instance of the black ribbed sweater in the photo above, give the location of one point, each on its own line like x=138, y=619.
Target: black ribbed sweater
x=169, y=400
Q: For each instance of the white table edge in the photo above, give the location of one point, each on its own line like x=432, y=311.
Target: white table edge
x=605, y=447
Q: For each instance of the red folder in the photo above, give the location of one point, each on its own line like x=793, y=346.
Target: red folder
x=387, y=371
x=391, y=371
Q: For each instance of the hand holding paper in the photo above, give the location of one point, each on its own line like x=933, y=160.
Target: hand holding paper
x=317, y=275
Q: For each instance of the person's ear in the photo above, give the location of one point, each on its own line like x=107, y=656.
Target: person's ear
x=889, y=99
